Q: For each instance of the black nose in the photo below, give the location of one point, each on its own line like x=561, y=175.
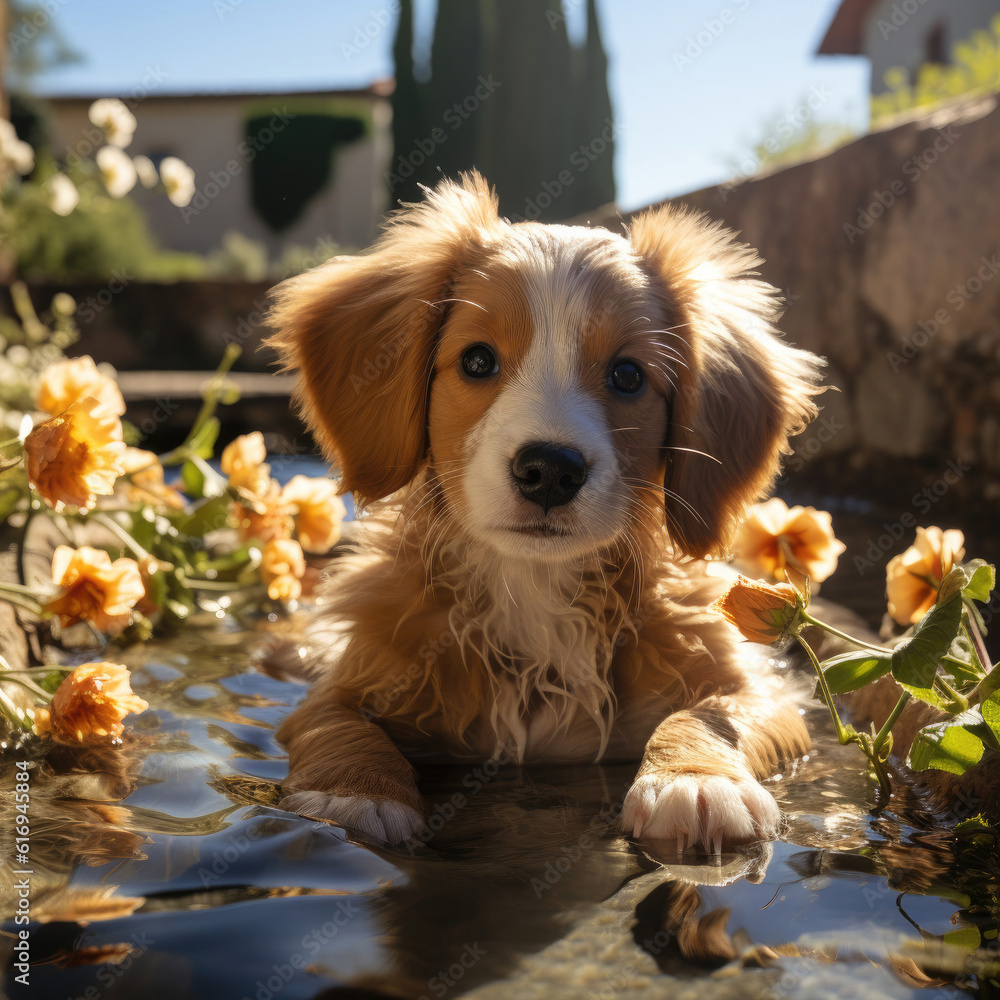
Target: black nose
x=548, y=474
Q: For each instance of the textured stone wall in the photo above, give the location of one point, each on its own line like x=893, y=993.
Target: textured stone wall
x=888, y=253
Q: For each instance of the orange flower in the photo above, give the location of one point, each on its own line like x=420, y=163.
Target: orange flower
x=145, y=480
x=319, y=511
x=91, y=702
x=264, y=516
x=763, y=612
x=95, y=589
x=243, y=463
x=774, y=536
x=913, y=577
x=282, y=567
x=76, y=456
x=66, y=382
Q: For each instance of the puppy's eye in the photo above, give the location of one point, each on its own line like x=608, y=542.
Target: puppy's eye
x=626, y=376
x=479, y=361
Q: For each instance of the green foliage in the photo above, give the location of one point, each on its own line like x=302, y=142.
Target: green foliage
x=294, y=158
x=101, y=236
x=975, y=70
x=784, y=141
x=509, y=95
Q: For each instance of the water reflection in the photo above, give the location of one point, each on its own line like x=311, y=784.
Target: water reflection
x=168, y=872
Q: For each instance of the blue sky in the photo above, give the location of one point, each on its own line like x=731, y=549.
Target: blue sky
x=692, y=86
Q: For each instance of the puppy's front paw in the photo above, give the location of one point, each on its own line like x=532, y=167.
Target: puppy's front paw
x=688, y=808
x=383, y=819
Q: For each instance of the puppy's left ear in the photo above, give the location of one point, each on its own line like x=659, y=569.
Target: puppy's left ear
x=741, y=392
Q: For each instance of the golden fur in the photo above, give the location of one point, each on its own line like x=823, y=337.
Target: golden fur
x=472, y=625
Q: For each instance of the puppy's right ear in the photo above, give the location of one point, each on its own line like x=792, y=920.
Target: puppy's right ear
x=361, y=332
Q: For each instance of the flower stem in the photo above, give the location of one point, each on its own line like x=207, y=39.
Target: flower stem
x=959, y=699
x=883, y=733
x=808, y=618
x=22, y=597
x=844, y=733
x=127, y=540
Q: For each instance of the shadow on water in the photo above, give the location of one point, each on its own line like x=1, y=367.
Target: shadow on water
x=520, y=889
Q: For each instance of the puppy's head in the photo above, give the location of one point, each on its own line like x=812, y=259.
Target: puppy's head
x=563, y=385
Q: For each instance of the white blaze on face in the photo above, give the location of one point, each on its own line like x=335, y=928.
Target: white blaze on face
x=545, y=403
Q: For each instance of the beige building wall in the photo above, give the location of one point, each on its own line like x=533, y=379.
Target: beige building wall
x=208, y=133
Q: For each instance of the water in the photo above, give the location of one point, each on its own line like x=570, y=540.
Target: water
x=524, y=890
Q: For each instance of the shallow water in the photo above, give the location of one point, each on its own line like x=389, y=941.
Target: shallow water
x=524, y=890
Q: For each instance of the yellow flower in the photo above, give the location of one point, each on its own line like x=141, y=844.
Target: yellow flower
x=282, y=567
x=145, y=480
x=62, y=194
x=913, y=577
x=94, y=589
x=73, y=458
x=117, y=170
x=763, y=612
x=146, y=170
x=263, y=516
x=774, y=536
x=243, y=463
x=114, y=119
x=318, y=511
x=90, y=703
x=66, y=382
x=178, y=179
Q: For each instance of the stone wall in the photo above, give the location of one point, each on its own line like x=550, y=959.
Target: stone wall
x=182, y=326
x=888, y=253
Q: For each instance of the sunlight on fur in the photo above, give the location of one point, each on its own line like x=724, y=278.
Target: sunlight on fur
x=561, y=424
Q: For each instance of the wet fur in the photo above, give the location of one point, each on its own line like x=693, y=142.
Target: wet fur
x=465, y=628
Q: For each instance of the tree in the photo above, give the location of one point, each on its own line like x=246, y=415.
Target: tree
x=509, y=95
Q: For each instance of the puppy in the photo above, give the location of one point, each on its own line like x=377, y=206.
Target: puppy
x=550, y=426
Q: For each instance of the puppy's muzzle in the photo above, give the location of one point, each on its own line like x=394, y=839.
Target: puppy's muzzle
x=548, y=474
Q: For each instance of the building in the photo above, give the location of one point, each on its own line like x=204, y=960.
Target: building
x=906, y=33
x=292, y=169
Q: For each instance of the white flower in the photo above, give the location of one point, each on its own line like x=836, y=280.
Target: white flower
x=117, y=171
x=178, y=179
x=146, y=171
x=18, y=154
x=115, y=119
x=63, y=196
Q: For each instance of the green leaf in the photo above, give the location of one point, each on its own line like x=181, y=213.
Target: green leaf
x=200, y=479
x=991, y=713
x=966, y=938
x=193, y=480
x=208, y=516
x=850, y=671
x=945, y=747
x=968, y=670
x=976, y=826
x=915, y=662
x=983, y=580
